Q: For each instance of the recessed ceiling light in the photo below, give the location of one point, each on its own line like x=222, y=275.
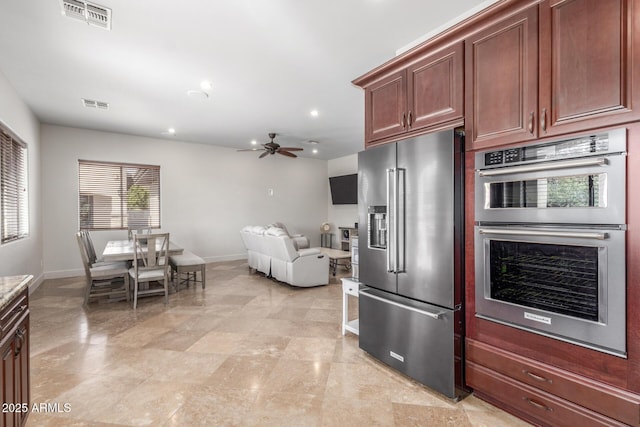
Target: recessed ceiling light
x=314, y=151
x=314, y=113
x=206, y=85
x=198, y=94
x=254, y=142
x=170, y=131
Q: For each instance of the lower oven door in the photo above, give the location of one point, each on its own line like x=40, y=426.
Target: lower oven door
x=564, y=283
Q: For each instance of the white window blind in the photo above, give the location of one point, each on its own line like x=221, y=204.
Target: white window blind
x=115, y=196
x=14, y=194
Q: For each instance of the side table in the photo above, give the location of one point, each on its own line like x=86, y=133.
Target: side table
x=349, y=287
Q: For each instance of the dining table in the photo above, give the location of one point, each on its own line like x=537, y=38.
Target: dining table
x=123, y=250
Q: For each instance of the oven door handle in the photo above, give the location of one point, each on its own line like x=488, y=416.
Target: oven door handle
x=568, y=234
x=564, y=164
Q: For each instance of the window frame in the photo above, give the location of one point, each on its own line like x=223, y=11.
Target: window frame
x=13, y=178
x=90, y=186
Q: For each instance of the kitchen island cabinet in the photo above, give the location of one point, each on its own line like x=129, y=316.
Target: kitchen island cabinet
x=14, y=349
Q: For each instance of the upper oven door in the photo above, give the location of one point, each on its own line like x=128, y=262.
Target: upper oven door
x=588, y=190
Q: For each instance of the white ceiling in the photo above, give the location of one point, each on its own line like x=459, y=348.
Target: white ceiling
x=270, y=63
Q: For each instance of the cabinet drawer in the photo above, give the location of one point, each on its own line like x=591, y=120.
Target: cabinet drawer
x=608, y=400
x=13, y=312
x=539, y=405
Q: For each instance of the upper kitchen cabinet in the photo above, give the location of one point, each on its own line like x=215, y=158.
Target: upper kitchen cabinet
x=385, y=112
x=586, y=67
x=424, y=94
x=501, y=79
x=558, y=67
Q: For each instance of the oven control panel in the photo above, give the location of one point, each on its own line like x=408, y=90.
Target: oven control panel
x=511, y=155
x=493, y=158
x=609, y=142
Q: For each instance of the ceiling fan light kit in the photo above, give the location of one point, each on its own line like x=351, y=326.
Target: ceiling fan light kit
x=273, y=148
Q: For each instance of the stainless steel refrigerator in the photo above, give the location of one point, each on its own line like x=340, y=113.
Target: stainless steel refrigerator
x=410, y=204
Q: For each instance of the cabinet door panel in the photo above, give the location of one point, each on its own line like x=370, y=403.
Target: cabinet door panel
x=502, y=81
x=8, y=379
x=385, y=107
x=585, y=64
x=23, y=389
x=435, y=86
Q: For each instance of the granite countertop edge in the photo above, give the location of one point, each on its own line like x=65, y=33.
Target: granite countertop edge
x=11, y=286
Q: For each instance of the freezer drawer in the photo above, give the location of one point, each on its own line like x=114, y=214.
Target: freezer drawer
x=413, y=337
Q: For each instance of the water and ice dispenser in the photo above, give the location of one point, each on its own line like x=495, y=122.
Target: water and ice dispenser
x=377, y=227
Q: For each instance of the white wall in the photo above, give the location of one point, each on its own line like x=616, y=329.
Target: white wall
x=24, y=256
x=208, y=193
x=341, y=215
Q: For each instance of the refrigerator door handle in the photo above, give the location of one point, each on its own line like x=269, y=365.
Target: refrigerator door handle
x=399, y=216
x=389, y=212
x=437, y=315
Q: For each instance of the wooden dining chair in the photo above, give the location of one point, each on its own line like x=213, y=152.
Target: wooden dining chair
x=150, y=264
x=91, y=253
x=103, y=279
x=132, y=231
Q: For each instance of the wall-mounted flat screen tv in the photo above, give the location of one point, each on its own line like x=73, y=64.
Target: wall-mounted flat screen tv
x=344, y=189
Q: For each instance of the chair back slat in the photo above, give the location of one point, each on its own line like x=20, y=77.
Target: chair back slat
x=150, y=251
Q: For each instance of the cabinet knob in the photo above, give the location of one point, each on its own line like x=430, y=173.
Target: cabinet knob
x=410, y=119
x=543, y=119
x=404, y=120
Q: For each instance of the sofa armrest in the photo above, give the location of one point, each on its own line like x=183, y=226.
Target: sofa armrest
x=309, y=252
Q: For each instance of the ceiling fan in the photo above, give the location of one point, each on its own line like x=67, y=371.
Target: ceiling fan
x=273, y=148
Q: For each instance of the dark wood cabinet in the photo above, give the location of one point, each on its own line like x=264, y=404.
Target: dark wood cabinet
x=531, y=403
x=541, y=392
x=534, y=70
x=14, y=371
x=501, y=80
x=424, y=94
x=386, y=107
x=586, y=69
x=558, y=67
x=435, y=87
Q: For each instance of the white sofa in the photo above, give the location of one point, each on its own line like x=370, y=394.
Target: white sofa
x=300, y=241
x=257, y=253
x=272, y=252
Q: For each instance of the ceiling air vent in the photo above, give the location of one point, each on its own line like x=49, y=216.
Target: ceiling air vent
x=91, y=13
x=90, y=103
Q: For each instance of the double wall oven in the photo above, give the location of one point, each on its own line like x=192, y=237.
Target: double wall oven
x=550, y=239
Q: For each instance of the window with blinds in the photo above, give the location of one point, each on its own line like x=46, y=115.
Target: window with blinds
x=14, y=193
x=114, y=196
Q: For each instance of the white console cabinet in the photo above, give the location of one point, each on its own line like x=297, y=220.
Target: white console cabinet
x=349, y=287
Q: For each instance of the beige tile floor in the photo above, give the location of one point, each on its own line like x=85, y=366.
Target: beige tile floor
x=246, y=351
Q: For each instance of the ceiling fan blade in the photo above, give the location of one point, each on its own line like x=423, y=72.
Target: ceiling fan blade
x=291, y=148
x=263, y=154
x=286, y=153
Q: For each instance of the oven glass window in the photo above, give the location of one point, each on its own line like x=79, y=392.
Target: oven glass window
x=575, y=191
x=557, y=278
